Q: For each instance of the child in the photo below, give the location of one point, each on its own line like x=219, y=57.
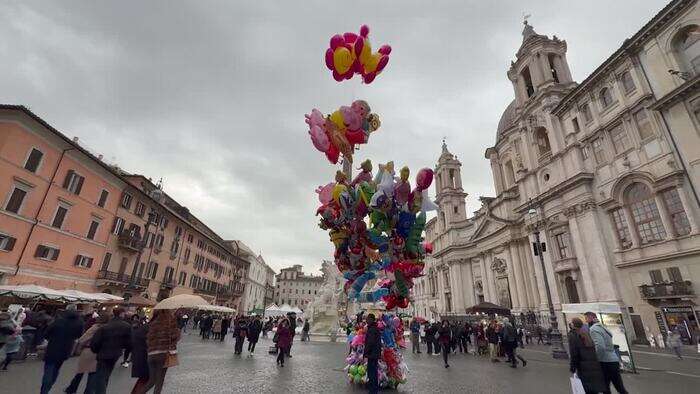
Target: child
x=12, y=347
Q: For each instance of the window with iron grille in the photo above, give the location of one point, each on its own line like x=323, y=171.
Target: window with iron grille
x=645, y=213
x=562, y=241
x=681, y=226
x=621, y=229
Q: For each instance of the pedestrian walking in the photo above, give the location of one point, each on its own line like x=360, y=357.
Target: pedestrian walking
x=305, y=330
x=539, y=332
x=87, y=360
x=216, y=327
x=239, y=333
x=134, y=320
x=108, y=343
x=605, y=351
x=430, y=336
x=521, y=334
x=293, y=328
x=139, y=355
x=673, y=340
x=373, y=349
x=253, y=332
x=61, y=334
x=12, y=345
x=510, y=343
x=7, y=328
x=283, y=339
x=492, y=338
x=225, y=324
x=584, y=362
x=415, y=335
x=161, y=341
x=445, y=340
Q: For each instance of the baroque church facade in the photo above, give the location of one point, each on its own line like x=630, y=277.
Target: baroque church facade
x=596, y=168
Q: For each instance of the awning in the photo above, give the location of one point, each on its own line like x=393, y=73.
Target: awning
x=215, y=308
x=487, y=307
x=34, y=292
x=597, y=307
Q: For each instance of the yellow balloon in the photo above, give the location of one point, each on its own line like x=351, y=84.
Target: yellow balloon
x=372, y=62
x=343, y=59
x=366, y=52
x=337, y=191
x=338, y=120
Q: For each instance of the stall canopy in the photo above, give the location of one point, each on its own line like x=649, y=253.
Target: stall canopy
x=139, y=301
x=596, y=307
x=488, y=308
x=274, y=310
x=34, y=292
x=215, y=308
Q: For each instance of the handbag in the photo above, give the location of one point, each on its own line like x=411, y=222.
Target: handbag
x=577, y=385
x=171, y=360
x=275, y=338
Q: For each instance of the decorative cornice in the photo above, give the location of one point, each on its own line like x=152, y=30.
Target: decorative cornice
x=579, y=208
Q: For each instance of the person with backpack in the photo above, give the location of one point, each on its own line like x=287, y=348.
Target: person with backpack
x=61, y=335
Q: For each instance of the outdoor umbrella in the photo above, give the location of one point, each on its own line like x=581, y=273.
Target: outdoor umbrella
x=181, y=301
x=139, y=301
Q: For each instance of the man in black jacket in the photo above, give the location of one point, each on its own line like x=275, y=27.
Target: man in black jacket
x=373, y=350
x=108, y=343
x=61, y=335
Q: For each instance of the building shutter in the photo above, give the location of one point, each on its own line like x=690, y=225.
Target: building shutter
x=55, y=256
x=80, y=185
x=10, y=244
x=66, y=182
x=77, y=260
x=39, y=251
x=89, y=262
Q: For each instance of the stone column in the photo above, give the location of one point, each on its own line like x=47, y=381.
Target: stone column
x=665, y=218
x=522, y=89
x=497, y=175
x=468, y=281
x=565, y=68
x=689, y=207
x=457, y=286
x=536, y=72
x=588, y=277
x=518, y=275
x=528, y=277
x=484, y=279
x=490, y=279
x=440, y=288
x=512, y=285
x=599, y=262
x=526, y=252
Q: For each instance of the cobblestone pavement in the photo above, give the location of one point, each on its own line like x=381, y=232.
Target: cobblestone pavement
x=316, y=367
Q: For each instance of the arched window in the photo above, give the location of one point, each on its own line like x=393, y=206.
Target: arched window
x=686, y=45
x=553, y=66
x=606, y=97
x=645, y=213
x=527, y=78
x=542, y=140
x=571, y=291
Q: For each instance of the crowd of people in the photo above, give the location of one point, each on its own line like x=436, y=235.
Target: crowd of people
x=99, y=340
x=497, y=339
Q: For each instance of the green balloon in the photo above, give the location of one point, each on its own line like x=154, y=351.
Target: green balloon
x=353, y=370
x=358, y=379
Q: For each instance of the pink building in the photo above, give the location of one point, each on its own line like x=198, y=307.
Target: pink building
x=70, y=221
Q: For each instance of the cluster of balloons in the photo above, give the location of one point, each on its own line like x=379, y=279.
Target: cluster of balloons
x=390, y=244
x=351, y=54
x=392, y=368
x=340, y=131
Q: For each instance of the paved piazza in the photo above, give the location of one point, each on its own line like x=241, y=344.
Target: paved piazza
x=316, y=367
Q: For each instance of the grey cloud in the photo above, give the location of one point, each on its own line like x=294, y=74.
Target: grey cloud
x=211, y=95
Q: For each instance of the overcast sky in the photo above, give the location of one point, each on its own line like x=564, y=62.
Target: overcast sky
x=211, y=95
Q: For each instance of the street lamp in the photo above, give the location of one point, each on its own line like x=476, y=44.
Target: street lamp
x=142, y=244
x=555, y=339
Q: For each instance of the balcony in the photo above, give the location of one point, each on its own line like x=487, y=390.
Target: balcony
x=167, y=284
x=204, y=291
x=128, y=242
x=109, y=278
x=682, y=289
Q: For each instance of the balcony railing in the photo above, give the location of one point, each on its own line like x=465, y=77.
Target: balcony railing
x=667, y=290
x=204, y=291
x=130, y=242
x=121, y=279
x=167, y=284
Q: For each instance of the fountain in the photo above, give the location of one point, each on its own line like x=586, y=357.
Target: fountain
x=323, y=311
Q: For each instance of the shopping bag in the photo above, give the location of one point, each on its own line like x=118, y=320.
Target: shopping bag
x=577, y=385
x=171, y=360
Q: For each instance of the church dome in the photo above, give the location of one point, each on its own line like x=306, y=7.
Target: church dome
x=506, y=121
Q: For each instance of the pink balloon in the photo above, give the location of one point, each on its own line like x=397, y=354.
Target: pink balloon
x=336, y=41
x=350, y=38
x=364, y=30
x=424, y=178
x=385, y=50
x=319, y=138
x=351, y=118
x=325, y=193
x=329, y=59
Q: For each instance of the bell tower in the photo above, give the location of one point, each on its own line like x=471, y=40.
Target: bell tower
x=448, y=188
x=540, y=63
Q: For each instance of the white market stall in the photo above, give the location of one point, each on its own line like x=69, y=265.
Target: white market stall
x=34, y=292
x=610, y=316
